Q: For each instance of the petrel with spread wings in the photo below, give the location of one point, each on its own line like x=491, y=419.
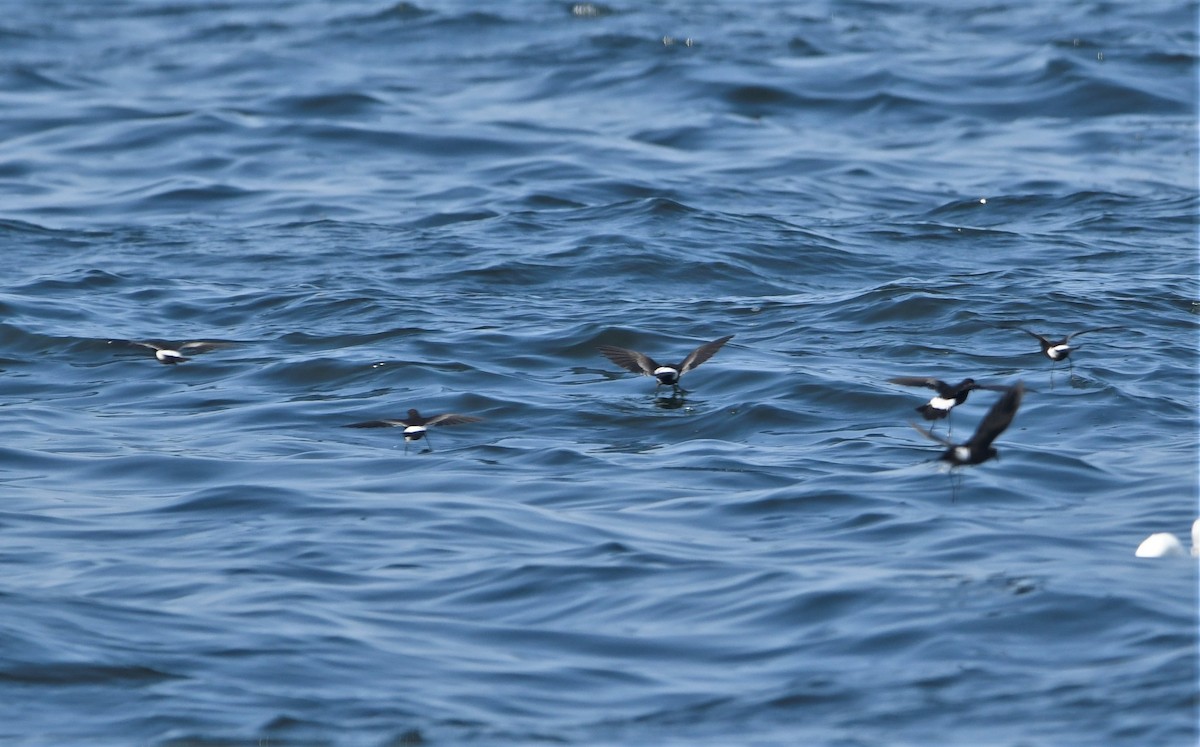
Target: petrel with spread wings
x=948, y=396
x=642, y=364
x=1057, y=350
x=170, y=353
x=416, y=426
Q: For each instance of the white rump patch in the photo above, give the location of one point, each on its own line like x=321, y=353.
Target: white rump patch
x=962, y=453
x=1058, y=351
x=413, y=429
x=664, y=369
x=162, y=355
x=940, y=403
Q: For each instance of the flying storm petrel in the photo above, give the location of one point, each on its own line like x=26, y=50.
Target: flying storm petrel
x=416, y=425
x=640, y=363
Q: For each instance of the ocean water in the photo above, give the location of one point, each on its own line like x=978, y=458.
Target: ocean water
x=449, y=206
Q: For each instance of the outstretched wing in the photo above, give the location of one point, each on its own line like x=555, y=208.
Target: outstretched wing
x=998, y=418
x=138, y=344
x=931, y=435
x=451, y=418
x=1045, y=343
x=701, y=354
x=203, y=346
x=630, y=360
x=1085, y=331
x=925, y=381
x=376, y=424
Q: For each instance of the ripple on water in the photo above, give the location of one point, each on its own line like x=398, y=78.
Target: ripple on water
x=441, y=208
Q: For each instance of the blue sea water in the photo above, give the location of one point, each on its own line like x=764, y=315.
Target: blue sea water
x=449, y=206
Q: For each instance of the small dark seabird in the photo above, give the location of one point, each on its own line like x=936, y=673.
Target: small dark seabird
x=978, y=449
x=416, y=425
x=1057, y=350
x=640, y=363
x=172, y=353
x=947, y=398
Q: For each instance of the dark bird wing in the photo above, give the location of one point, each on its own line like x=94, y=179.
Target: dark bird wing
x=203, y=346
x=630, y=360
x=701, y=354
x=998, y=418
x=1085, y=331
x=925, y=381
x=451, y=418
x=1045, y=343
x=376, y=424
x=139, y=344
x=931, y=435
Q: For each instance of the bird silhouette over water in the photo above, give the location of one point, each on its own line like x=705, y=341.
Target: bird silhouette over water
x=640, y=363
x=1057, y=350
x=978, y=448
x=416, y=426
x=170, y=353
x=947, y=398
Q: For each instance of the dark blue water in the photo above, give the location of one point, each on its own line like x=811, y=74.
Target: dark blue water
x=449, y=206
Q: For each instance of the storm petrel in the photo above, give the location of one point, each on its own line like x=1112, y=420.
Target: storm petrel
x=1057, y=350
x=642, y=364
x=172, y=353
x=416, y=425
x=978, y=448
x=947, y=398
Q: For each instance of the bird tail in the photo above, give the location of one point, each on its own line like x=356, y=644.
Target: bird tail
x=929, y=412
